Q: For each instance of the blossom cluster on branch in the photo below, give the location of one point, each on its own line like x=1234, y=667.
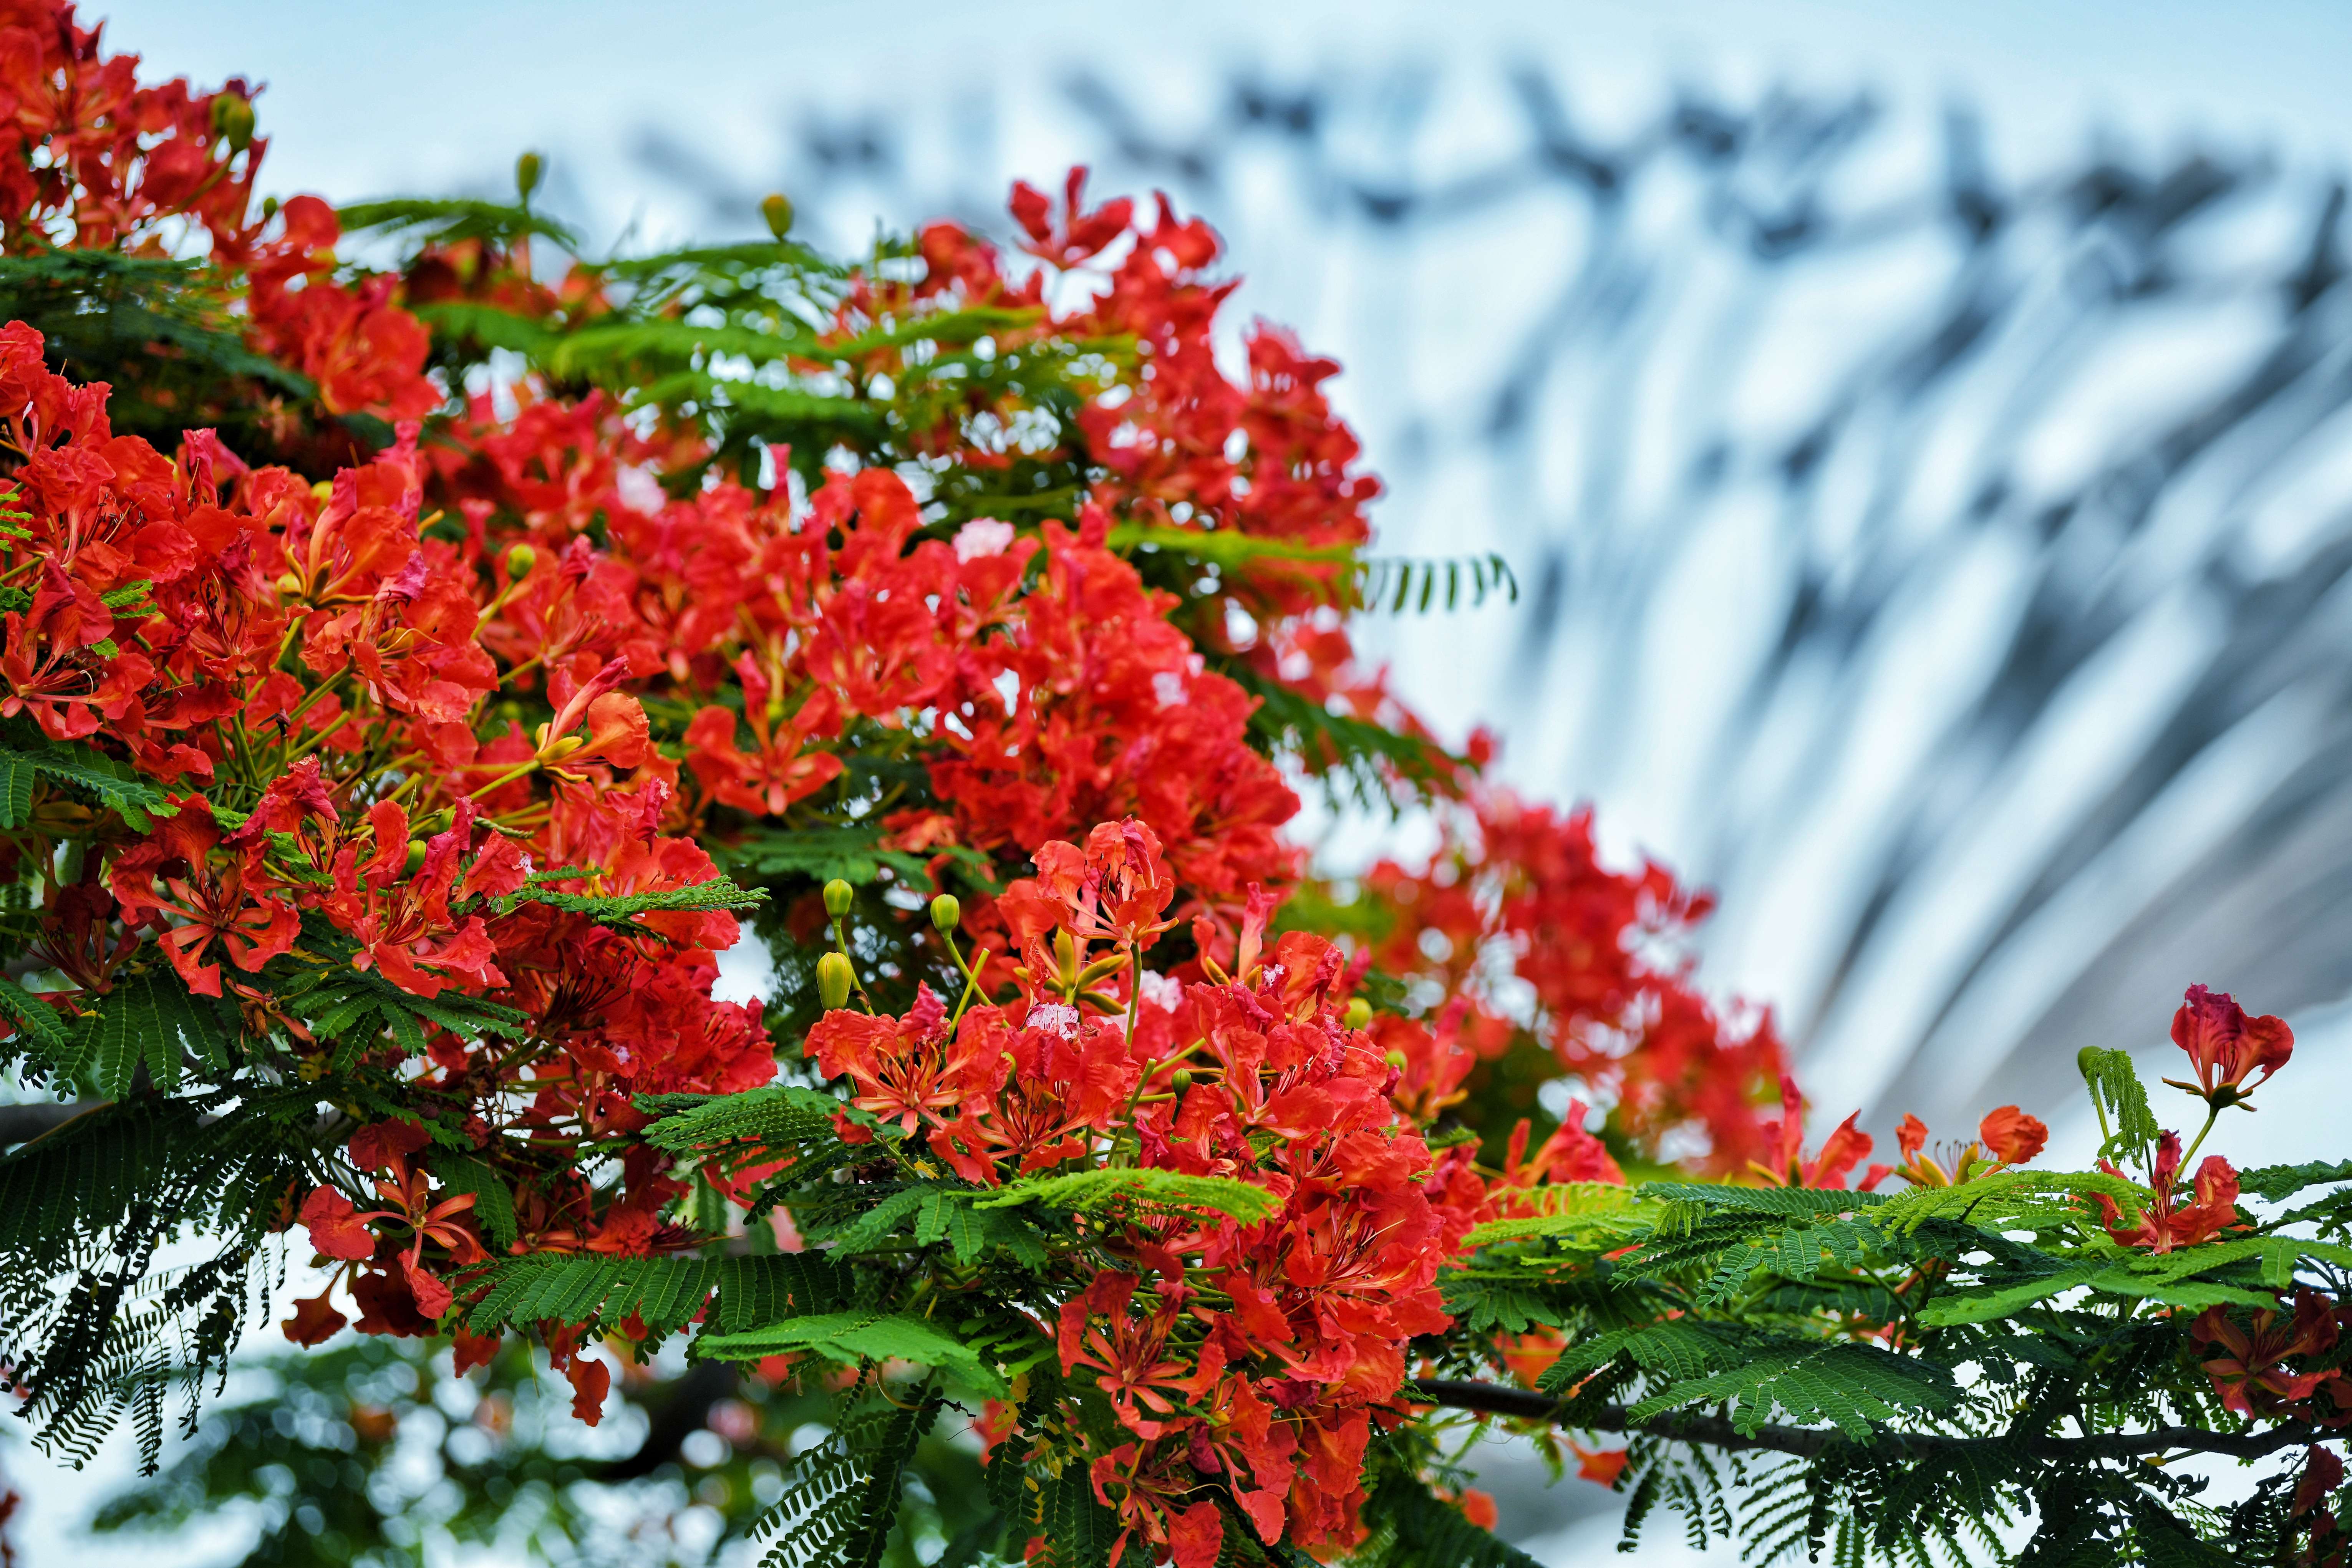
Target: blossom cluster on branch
x=392, y=740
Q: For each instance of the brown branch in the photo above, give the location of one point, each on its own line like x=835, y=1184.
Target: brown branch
x=1494, y=1399
x=685, y=1412
x=23, y=1123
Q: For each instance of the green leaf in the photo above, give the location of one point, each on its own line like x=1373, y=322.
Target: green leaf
x=1087, y=1192
x=2277, y=1182
x=449, y=219
x=38, y=1023
x=2115, y=1087
x=1845, y=1384
x=854, y=1338
x=493, y=1201
x=620, y=911
x=17, y=776
x=663, y=1292
x=117, y=786
x=2015, y=1200
x=1402, y=581
x=1573, y=1211
x=1983, y=1304
x=844, y=1495
x=850, y=852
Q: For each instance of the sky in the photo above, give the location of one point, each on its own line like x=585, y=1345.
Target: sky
x=430, y=97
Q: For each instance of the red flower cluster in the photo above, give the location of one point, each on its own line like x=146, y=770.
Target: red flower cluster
x=2226, y=1046
x=303, y=666
x=410, y=708
x=1257, y=1353
x=1596, y=949
x=93, y=161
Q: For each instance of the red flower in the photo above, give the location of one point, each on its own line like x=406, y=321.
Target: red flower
x=1843, y=1148
x=1602, y=1466
x=2227, y=1047
x=2252, y=1376
x=168, y=877
x=337, y=1228
x=2005, y=1137
x=402, y=919
x=2168, y=1223
x=314, y=1322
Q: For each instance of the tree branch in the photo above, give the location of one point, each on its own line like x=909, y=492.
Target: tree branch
x=23, y=1123
x=1494, y=1399
x=676, y=1419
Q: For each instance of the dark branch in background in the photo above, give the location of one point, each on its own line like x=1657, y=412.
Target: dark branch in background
x=685, y=1409
x=1805, y=1442
x=2033, y=284
x=23, y=1123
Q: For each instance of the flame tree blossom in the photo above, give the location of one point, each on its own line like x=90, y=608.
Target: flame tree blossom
x=388, y=749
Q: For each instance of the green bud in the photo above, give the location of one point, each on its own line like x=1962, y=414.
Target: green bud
x=947, y=914
x=233, y=119
x=833, y=980
x=1182, y=1080
x=528, y=168
x=838, y=895
x=1396, y=1060
x=520, y=559
x=777, y=209
x=415, y=856
x=1359, y=1015
x=2085, y=1062
x=269, y=208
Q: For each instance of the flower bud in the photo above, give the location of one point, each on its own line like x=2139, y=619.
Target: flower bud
x=520, y=559
x=1396, y=1059
x=415, y=856
x=269, y=208
x=528, y=170
x=233, y=119
x=947, y=914
x=1359, y=1015
x=1181, y=1080
x=776, y=208
x=838, y=895
x=2086, y=1063
x=833, y=980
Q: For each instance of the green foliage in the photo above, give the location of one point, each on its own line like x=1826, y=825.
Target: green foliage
x=26, y=755
x=620, y=911
x=2277, y=1183
x=845, y=1497
x=1723, y=1330
x=663, y=1293
x=90, y=1334
x=493, y=1201
x=356, y=1007
x=1076, y=1530
x=149, y=1022
x=1354, y=758
x=1407, y=1526
x=452, y=221
x=2116, y=1091
x=1131, y=1191
x=157, y=330
x=1394, y=583
x=818, y=855
x=2052, y=1201
x=855, y=1338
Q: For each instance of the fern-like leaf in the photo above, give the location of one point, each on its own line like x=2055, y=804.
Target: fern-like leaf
x=844, y=1498
x=1135, y=1190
